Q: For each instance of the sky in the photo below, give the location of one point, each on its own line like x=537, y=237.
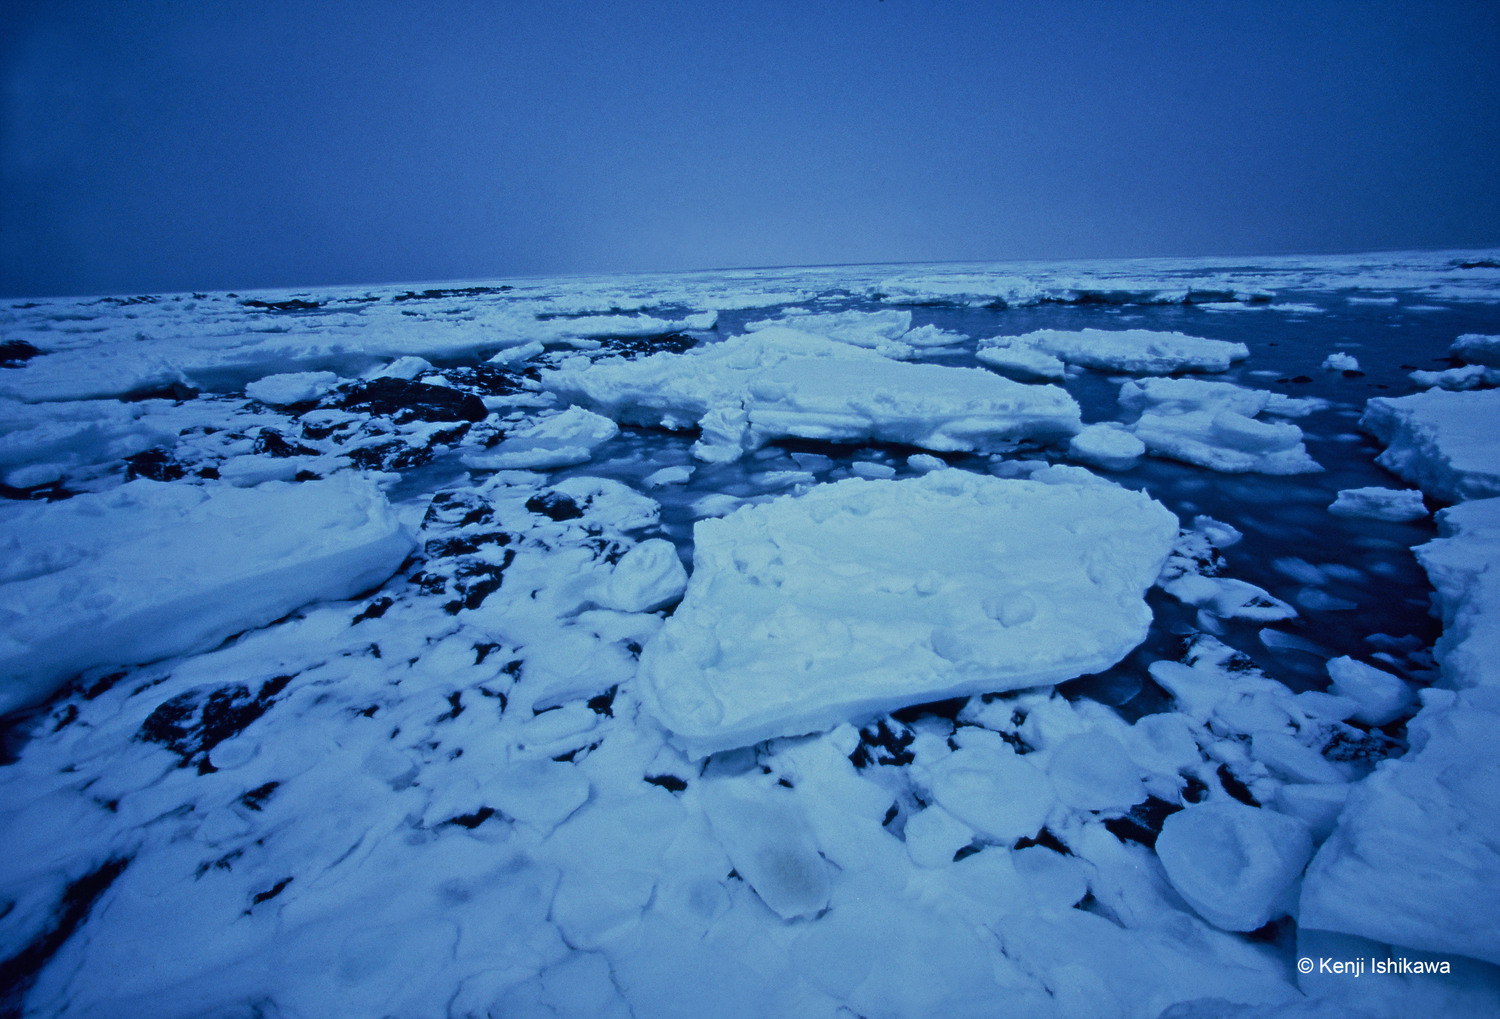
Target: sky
x=151, y=146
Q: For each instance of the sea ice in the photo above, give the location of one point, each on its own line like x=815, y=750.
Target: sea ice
x=1235, y=865
x=1470, y=376
x=291, y=387
x=780, y=383
x=1382, y=697
x=1440, y=441
x=150, y=570
x=1341, y=362
x=1136, y=351
x=1108, y=446
x=555, y=440
x=1215, y=425
x=1477, y=348
x=1395, y=504
x=966, y=584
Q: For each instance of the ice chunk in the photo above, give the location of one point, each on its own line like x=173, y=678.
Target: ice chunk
x=1381, y=696
x=556, y=440
x=667, y=476
x=292, y=387
x=1396, y=504
x=1477, y=348
x=42, y=443
x=646, y=578
x=881, y=331
x=1138, y=351
x=864, y=596
x=1341, y=362
x=995, y=791
x=1023, y=362
x=408, y=368
x=771, y=844
x=1464, y=567
x=1444, y=443
x=1215, y=425
x=934, y=837
x=1471, y=376
x=151, y=569
x=1092, y=771
x=1108, y=446
x=780, y=383
x=1235, y=865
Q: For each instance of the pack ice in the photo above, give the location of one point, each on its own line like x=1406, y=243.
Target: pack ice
x=1441, y=441
x=151, y=570
x=1138, y=351
x=865, y=596
x=779, y=383
x=1217, y=425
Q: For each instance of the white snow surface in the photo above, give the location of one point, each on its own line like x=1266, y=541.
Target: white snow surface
x=291, y=387
x=778, y=383
x=1235, y=865
x=1135, y=351
x=969, y=584
x=1443, y=442
x=151, y=570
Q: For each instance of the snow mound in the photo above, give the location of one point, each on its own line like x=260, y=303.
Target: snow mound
x=1340, y=362
x=781, y=383
x=865, y=596
x=1443, y=442
x=151, y=570
x=1216, y=425
x=1395, y=504
x=1137, y=351
x=1235, y=865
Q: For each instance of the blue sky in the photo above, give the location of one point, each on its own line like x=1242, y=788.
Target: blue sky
x=154, y=146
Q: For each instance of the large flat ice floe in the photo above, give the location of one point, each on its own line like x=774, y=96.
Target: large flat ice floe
x=1138, y=351
x=1443, y=442
x=781, y=383
x=866, y=596
x=151, y=570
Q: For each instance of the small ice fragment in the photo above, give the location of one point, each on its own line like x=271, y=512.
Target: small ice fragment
x=1340, y=362
x=646, y=578
x=866, y=469
x=667, y=476
x=292, y=387
x=1382, y=697
x=1092, y=771
x=1395, y=504
x=1108, y=446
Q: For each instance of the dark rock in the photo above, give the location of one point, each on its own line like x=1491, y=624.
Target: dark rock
x=554, y=505
x=881, y=744
x=14, y=353
x=402, y=401
x=295, y=304
x=492, y=379
x=178, y=391
x=1143, y=822
x=389, y=456
x=269, y=893
x=1234, y=787
x=155, y=465
x=603, y=704
x=472, y=821
x=1047, y=840
x=19, y=971
x=273, y=443
x=193, y=723
x=671, y=783
x=642, y=346
x=256, y=798
x=433, y=295
x=374, y=610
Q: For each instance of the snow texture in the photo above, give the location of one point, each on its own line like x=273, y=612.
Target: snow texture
x=1442, y=442
x=969, y=584
x=779, y=383
x=1135, y=351
x=151, y=570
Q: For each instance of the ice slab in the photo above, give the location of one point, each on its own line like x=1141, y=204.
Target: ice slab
x=1216, y=425
x=555, y=440
x=1137, y=351
x=291, y=387
x=1108, y=446
x=780, y=383
x=864, y=596
x=150, y=570
x=1235, y=865
x=1443, y=442
x=1395, y=504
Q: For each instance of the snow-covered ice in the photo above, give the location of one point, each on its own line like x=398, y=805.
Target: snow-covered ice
x=778, y=382
x=151, y=570
x=1136, y=351
x=968, y=584
x=1395, y=504
x=1442, y=442
x=1218, y=425
x=1236, y=865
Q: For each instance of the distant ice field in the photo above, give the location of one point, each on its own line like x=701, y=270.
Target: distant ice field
x=1095, y=637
